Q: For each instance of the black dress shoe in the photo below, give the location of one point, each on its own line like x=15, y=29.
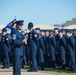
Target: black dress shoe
x=4, y=67
x=71, y=70
x=32, y=70
x=42, y=69
x=35, y=70
x=7, y=67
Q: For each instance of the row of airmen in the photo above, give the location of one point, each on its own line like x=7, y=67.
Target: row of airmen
x=38, y=48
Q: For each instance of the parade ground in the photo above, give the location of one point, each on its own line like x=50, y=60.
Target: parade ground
x=23, y=72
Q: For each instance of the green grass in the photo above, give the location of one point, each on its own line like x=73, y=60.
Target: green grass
x=55, y=71
x=52, y=71
x=61, y=72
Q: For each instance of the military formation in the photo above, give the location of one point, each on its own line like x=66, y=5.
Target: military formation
x=38, y=49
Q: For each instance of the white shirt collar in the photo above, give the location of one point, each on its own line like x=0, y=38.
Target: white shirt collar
x=51, y=36
x=69, y=36
x=19, y=30
x=31, y=30
x=4, y=34
x=39, y=36
x=61, y=36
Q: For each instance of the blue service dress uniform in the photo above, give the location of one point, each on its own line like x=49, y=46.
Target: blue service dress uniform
x=46, y=59
x=10, y=50
x=18, y=45
x=0, y=49
x=70, y=50
x=44, y=38
x=52, y=46
x=75, y=51
x=33, y=46
x=62, y=45
x=57, y=49
x=41, y=50
x=4, y=48
x=27, y=51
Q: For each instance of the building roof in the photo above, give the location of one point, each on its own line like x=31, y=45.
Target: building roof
x=47, y=27
x=2, y=26
x=73, y=26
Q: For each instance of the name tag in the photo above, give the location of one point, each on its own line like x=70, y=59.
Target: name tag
x=30, y=35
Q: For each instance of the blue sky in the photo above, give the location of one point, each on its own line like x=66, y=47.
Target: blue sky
x=37, y=11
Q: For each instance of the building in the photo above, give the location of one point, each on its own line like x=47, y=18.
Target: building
x=67, y=25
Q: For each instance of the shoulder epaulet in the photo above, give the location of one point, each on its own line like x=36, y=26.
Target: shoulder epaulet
x=14, y=31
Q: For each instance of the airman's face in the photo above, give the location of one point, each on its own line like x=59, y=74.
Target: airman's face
x=29, y=28
x=60, y=34
x=3, y=33
x=20, y=27
x=51, y=33
x=56, y=31
x=47, y=33
x=67, y=34
x=42, y=33
x=38, y=31
x=74, y=32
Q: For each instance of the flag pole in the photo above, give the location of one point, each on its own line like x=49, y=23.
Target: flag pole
x=14, y=16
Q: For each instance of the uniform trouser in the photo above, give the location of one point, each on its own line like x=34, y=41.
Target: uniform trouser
x=62, y=60
x=0, y=53
x=62, y=56
x=75, y=57
x=23, y=61
x=72, y=59
x=33, y=58
x=52, y=58
x=5, y=59
x=46, y=59
x=41, y=58
x=28, y=56
x=52, y=55
x=75, y=62
x=17, y=62
x=57, y=53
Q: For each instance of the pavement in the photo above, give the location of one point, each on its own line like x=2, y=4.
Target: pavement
x=23, y=72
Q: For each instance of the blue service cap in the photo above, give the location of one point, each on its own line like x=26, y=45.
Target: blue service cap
x=51, y=31
x=4, y=30
x=60, y=31
x=56, y=28
x=63, y=30
x=20, y=22
x=68, y=31
x=30, y=24
x=26, y=32
x=42, y=30
x=37, y=28
x=74, y=29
